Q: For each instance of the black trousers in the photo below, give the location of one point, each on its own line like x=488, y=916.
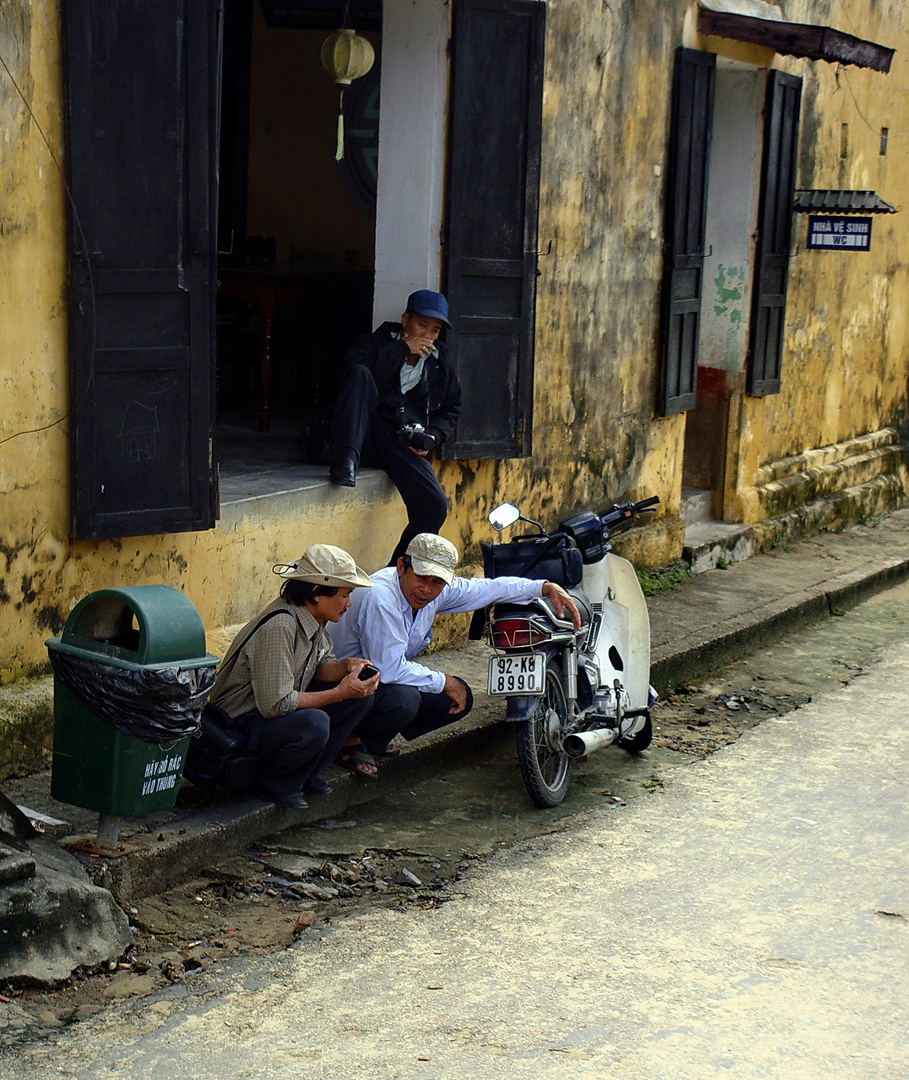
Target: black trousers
x=358, y=433
x=296, y=746
x=407, y=711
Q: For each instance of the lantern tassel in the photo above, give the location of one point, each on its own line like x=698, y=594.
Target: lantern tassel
x=339, y=152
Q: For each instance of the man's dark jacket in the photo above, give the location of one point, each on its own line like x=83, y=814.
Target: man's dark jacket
x=434, y=402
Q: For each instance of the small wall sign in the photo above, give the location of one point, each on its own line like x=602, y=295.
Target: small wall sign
x=826, y=231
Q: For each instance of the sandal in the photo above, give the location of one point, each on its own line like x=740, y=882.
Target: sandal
x=355, y=759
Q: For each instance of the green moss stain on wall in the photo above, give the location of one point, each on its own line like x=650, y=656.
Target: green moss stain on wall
x=725, y=307
x=728, y=284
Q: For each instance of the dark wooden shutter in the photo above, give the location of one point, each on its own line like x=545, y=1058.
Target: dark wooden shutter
x=686, y=215
x=141, y=90
x=494, y=177
x=781, y=129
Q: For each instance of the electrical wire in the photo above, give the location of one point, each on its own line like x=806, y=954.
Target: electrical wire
x=91, y=277
x=872, y=127
x=891, y=85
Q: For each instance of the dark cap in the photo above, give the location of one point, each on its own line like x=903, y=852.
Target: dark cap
x=431, y=304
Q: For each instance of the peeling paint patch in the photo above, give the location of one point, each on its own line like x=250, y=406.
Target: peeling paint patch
x=729, y=282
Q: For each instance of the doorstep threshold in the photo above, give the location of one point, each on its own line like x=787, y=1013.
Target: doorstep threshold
x=248, y=485
x=291, y=483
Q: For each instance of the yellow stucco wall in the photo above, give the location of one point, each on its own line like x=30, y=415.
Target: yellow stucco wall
x=33, y=465
x=225, y=571
x=596, y=437
x=606, y=118
x=844, y=368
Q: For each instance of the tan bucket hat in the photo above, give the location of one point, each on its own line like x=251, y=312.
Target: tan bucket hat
x=324, y=564
x=433, y=556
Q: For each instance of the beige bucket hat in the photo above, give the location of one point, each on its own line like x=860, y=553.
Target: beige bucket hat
x=324, y=564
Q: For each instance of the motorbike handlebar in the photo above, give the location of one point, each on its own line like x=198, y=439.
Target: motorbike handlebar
x=622, y=516
x=646, y=504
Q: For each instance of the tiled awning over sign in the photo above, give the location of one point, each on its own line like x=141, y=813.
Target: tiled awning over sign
x=841, y=202
x=763, y=24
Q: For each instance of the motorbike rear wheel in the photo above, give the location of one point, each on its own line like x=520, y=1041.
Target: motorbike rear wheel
x=545, y=767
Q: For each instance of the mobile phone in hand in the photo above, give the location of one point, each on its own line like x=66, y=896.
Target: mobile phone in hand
x=367, y=672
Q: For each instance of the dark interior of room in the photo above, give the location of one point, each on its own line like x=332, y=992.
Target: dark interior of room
x=296, y=227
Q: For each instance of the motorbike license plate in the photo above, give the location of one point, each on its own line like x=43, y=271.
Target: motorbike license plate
x=516, y=674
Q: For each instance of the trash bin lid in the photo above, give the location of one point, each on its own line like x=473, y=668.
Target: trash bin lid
x=143, y=624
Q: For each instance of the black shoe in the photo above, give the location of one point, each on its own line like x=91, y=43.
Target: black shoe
x=343, y=472
x=315, y=786
x=291, y=802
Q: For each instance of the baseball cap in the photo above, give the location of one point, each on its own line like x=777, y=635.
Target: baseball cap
x=433, y=556
x=431, y=304
x=324, y=564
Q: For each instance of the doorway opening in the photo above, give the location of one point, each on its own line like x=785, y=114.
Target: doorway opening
x=711, y=430
x=296, y=232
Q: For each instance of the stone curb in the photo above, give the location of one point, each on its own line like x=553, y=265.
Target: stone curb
x=747, y=633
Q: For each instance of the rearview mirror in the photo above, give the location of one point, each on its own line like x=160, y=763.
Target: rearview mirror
x=503, y=516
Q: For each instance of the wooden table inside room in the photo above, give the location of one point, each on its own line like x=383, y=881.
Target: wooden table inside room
x=267, y=287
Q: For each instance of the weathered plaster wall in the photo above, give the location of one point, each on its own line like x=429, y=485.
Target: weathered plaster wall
x=605, y=122
x=606, y=114
x=608, y=84
x=33, y=471
x=844, y=368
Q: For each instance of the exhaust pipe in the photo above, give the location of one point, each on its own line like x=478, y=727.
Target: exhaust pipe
x=587, y=741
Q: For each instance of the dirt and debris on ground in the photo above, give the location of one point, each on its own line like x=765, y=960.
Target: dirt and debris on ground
x=258, y=903
x=264, y=901
x=412, y=846
x=695, y=720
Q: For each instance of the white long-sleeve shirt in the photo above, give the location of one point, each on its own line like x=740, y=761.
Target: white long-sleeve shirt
x=381, y=627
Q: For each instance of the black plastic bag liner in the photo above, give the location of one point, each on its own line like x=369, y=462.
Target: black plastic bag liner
x=156, y=706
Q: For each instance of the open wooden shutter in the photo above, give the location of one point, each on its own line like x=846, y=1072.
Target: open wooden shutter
x=141, y=105
x=781, y=131
x=686, y=215
x=494, y=177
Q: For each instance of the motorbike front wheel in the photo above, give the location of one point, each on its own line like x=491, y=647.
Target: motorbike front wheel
x=545, y=767
x=641, y=741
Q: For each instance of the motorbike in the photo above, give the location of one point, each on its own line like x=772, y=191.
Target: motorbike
x=570, y=692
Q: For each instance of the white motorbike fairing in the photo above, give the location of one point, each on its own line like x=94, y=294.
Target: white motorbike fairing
x=619, y=638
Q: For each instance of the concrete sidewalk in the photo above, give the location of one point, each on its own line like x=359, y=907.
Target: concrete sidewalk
x=707, y=622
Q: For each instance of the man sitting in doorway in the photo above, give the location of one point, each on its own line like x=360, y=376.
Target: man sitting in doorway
x=391, y=624
x=398, y=401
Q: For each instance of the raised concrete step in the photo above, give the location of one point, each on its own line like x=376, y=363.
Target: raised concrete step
x=712, y=545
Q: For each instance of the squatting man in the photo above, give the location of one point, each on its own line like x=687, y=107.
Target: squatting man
x=391, y=624
x=291, y=699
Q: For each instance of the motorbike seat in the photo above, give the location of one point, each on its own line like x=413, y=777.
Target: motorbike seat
x=580, y=598
x=513, y=607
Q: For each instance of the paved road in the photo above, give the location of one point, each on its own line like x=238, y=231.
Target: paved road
x=750, y=919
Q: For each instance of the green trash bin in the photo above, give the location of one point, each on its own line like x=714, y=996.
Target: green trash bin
x=130, y=670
